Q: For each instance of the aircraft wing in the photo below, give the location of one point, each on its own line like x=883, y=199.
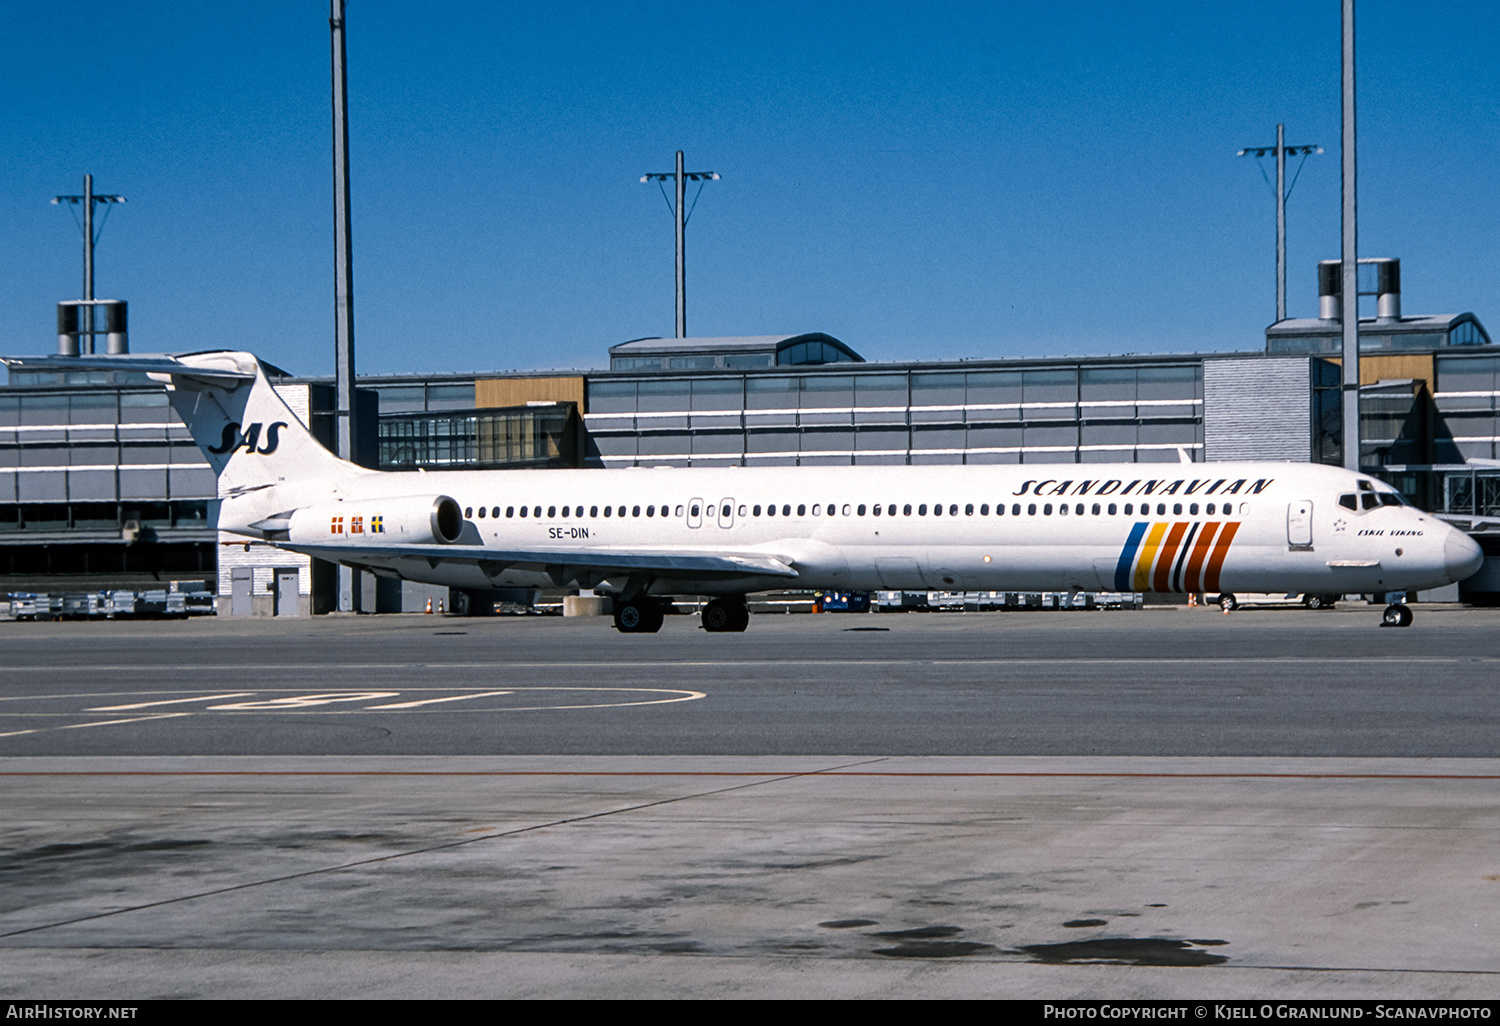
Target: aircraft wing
x=558, y=561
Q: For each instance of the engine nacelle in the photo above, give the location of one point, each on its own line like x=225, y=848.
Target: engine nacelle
x=405, y=520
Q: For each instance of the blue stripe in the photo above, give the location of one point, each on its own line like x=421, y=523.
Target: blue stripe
x=1127, y=557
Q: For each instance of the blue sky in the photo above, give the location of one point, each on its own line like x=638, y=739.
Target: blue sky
x=923, y=181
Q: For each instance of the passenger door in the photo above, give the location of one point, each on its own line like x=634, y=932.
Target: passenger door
x=1299, y=524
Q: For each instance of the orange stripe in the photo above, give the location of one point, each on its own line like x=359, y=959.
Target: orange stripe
x=1163, y=581
x=1200, y=550
x=1221, y=549
x=1148, y=555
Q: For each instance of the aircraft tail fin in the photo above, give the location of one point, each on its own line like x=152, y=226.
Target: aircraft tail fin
x=245, y=429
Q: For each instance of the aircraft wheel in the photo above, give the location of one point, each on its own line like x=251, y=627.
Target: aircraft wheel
x=628, y=617
x=741, y=617
x=1396, y=615
x=655, y=614
x=640, y=616
x=1228, y=603
x=725, y=616
x=1314, y=602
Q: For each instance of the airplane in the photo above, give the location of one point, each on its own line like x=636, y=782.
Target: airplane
x=724, y=533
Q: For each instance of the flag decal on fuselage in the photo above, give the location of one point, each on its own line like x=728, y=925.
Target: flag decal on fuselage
x=1180, y=556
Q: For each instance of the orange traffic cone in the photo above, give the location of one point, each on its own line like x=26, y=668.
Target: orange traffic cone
x=429, y=603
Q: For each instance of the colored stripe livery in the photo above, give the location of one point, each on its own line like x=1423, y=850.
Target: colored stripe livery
x=1182, y=556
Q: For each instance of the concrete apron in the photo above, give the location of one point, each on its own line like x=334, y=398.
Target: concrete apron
x=757, y=876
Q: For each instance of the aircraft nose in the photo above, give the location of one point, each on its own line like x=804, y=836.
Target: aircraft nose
x=1461, y=556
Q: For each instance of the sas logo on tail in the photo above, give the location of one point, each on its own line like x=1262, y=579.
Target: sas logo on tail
x=249, y=439
x=1174, y=557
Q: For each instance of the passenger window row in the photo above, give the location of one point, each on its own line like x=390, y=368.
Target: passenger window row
x=576, y=511
x=920, y=509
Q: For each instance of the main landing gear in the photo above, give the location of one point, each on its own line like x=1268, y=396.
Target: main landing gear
x=641, y=615
x=1397, y=615
x=644, y=615
x=726, y=615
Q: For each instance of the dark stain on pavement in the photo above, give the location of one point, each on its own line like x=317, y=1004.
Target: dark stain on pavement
x=923, y=942
x=54, y=851
x=921, y=933
x=1152, y=951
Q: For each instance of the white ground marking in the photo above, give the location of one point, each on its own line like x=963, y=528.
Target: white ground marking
x=169, y=701
x=302, y=701
x=434, y=701
x=101, y=723
x=309, y=703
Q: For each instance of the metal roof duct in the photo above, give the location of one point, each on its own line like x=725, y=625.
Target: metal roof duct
x=1387, y=289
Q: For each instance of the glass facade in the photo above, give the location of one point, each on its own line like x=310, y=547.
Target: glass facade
x=521, y=437
x=1068, y=412
x=98, y=445
x=1466, y=398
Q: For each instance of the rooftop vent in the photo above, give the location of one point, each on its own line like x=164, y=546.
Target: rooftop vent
x=1386, y=288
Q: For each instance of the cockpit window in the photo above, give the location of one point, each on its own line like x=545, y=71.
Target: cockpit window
x=1390, y=499
x=1348, y=502
x=1368, y=500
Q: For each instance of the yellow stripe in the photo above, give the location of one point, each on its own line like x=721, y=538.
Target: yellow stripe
x=1148, y=556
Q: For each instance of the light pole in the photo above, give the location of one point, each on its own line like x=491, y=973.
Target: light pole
x=1350, y=253
x=88, y=201
x=1283, y=193
x=681, y=177
x=343, y=277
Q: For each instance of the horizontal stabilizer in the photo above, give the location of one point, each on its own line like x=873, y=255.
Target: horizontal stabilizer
x=226, y=373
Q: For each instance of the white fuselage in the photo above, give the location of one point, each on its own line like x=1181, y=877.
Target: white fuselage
x=1180, y=527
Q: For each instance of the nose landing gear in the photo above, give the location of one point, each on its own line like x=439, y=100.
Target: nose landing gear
x=1396, y=615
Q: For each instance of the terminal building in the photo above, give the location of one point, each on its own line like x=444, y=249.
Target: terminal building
x=101, y=486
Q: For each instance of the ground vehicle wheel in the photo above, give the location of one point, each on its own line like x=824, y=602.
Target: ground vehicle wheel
x=1314, y=602
x=1396, y=615
x=1228, y=603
